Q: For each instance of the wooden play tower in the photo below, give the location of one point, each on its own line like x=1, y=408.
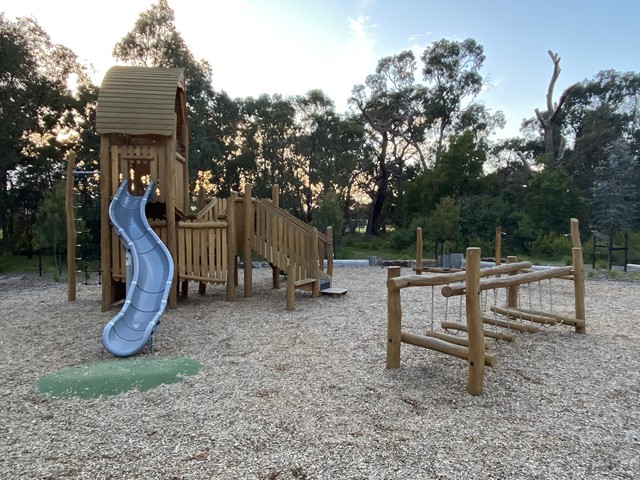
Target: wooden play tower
x=144, y=136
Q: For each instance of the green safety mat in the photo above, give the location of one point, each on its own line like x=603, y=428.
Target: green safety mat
x=115, y=376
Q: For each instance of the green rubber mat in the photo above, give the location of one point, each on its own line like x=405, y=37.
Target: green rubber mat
x=116, y=376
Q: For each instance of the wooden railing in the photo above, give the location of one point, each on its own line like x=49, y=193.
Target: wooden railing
x=202, y=251
x=283, y=240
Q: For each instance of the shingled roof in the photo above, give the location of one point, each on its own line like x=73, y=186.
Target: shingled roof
x=139, y=100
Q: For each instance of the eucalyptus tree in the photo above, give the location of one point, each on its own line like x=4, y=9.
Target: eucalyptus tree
x=388, y=105
x=597, y=113
x=329, y=147
x=267, y=148
x=451, y=72
x=39, y=119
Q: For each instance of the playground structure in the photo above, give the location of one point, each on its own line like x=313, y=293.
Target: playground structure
x=506, y=319
x=144, y=140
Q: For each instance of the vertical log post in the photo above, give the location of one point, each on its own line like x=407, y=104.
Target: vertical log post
x=105, y=225
x=275, y=271
x=578, y=287
x=315, y=268
x=394, y=320
x=248, y=235
x=419, y=251
x=71, y=229
x=330, y=251
x=512, y=291
x=498, y=246
x=575, y=233
x=291, y=286
x=172, y=226
x=232, y=240
x=475, y=379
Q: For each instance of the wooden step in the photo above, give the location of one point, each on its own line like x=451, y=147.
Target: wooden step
x=305, y=283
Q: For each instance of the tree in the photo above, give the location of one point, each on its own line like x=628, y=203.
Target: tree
x=387, y=104
x=549, y=120
x=39, y=119
x=551, y=199
x=155, y=42
x=614, y=197
x=452, y=75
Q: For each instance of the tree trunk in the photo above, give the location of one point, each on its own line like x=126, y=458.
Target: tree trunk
x=382, y=184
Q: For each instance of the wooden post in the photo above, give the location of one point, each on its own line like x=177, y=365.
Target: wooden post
x=291, y=286
x=275, y=195
x=71, y=229
x=248, y=236
x=231, y=248
x=498, y=246
x=578, y=288
x=394, y=320
x=575, y=233
x=419, y=251
x=330, y=251
x=315, y=273
x=172, y=227
x=475, y=334
x=105, y=224
x=512, y=291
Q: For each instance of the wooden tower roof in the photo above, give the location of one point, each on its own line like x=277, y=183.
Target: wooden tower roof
x=140, y=100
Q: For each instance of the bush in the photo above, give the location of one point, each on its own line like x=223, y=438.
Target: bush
x=550, y=246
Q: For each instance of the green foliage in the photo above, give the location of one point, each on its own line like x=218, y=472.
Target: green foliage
x=329, y=214
x=550, y=246
x=552, y=199
x=614, y=197
x=444, y=223
x=51, y=229
x=405, y=238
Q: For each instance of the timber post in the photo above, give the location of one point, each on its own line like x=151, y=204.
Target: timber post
x=475, y=332
x=512, y=290
x=419, y=251
x=394, y=320
x=248, y=235
x=231, y=248
x=71, y=229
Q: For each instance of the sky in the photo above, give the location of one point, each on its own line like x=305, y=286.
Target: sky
x=289, y=47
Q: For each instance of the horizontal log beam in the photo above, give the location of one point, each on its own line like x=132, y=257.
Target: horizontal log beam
x=196, y=225
x=422, y=281
x=443, y=347
x=511, y=280
x=487, y=333
x=464, y=342
x=538, y=316
x=509, y=325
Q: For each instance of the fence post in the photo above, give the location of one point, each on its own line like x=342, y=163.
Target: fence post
x=419, y=251
x=232, y=238
x=578, y=287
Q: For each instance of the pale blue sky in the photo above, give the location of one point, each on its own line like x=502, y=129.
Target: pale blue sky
x=292, y=46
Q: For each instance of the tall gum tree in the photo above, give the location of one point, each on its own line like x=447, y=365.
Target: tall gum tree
x=387, y=105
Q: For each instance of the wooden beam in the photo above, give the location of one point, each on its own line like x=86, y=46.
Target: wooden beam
x=446, y=347
x=248, y=236
x=421, y=281
x=578, y=289
x=487, y=333
x=462, y=341
x=105, y=224
x=509, y=325
x=419, y=251
x=511, y=280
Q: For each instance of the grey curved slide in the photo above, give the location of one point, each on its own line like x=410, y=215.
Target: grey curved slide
x=128, y=332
